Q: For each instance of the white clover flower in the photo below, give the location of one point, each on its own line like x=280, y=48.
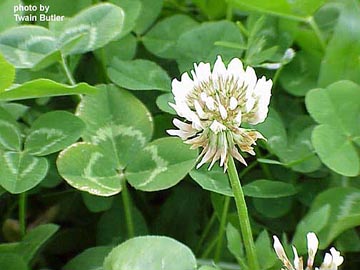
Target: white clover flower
x=331, y=261
x=215, y=105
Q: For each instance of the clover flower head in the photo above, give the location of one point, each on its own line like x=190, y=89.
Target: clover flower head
x=215, y=104
x=331, y=260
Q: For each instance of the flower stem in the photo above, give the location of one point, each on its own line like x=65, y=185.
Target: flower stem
x=222, y=228
x=22, y=213
x=67, y=70
x=127, y=209
x=243, y=216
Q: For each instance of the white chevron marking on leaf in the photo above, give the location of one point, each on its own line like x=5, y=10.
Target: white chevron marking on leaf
x=160, y=163
x=80, y=29
x=89, y=174
x=350, y=203
x=55, y=135
x=112, y=130
x=29, y=168
x=10, y=162
x=35, y=39
x=4, y=124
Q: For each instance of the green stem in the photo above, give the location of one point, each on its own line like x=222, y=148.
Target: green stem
x=210, y=247
x=67, y=70
x=229, y=11
x=277, y=74
x=223, y=265
x=222, y=228
x=243, y=216
x=317, y=32
x=205, y=232
x=242, y=28
x=22, y=213
x=127, y=208
x=248, y=168
x=264, y=166
x=103, y=63
x=295, y=162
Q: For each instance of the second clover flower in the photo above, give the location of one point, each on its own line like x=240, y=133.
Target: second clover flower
x=215, y=105
x=331, y=260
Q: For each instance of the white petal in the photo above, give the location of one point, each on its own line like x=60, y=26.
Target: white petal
x=210, y=103
x=296, y=257
x=236, y=69
x=250, y=102
x=280, y=252
x=235, y=153
x=176, y=108
x=238, y=118
x=259, y=86
x=182, y=88
x=196, y=122
x=223, y=149
x=258, y=117
x=208, y=155
x=203, y=72
x=181, y=125
x=217, y=127
x=180, y=133
x=279, y=249
x=196, y=141
x=250, y=78
x=313, y=244
x=182, y=109
x=260, y=136
x=177, y=88
x=222, y=111
x=203, y=96
x=327, y=260
x=250, y=82
x=264, y=101
x=262, y=93
x=199, y=110
x=233, y=103
x=187, y=81
x=337, y=258
x=219, y=68
x=263, y=89
x=193, y=74
x=223, y=155
x=215, y=158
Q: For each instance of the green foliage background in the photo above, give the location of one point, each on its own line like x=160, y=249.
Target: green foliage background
x=83, y=114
